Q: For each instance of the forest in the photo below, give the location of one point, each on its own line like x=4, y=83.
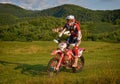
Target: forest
x=18, y=24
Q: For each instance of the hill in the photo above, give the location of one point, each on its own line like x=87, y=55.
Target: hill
x=82, y=14
x=63, y=10
x=28, y=25
x=13, y=10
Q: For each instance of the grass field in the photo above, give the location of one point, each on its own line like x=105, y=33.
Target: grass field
x=25, y=63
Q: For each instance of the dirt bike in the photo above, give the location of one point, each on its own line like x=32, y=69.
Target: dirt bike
x=64, y=57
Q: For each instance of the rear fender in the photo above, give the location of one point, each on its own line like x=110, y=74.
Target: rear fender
x=80, y=51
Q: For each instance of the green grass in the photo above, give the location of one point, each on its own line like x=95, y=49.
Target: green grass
x=25, y=63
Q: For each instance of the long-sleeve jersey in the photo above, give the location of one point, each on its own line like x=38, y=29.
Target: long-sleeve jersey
x=75, y=30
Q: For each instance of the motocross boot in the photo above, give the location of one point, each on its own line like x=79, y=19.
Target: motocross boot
x=75, y=62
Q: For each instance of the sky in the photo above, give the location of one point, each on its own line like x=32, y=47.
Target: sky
x=44, y=4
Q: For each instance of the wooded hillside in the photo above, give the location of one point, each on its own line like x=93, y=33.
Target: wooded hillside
x=18, y=24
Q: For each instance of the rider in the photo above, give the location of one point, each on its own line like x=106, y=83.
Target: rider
x=75, y=35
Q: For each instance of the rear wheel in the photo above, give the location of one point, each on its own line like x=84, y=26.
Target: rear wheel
x=51, y=67
x=80, y=65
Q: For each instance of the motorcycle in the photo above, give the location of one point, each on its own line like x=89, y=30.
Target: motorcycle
x=64, y=57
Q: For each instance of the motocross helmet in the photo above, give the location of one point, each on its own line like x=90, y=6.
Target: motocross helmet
x=70, y=19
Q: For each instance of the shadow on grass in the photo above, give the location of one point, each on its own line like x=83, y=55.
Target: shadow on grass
x=28, y=69
x=32, y=69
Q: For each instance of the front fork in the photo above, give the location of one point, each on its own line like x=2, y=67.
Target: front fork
x=59, y=63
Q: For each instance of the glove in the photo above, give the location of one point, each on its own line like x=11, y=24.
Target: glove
x=60, y=34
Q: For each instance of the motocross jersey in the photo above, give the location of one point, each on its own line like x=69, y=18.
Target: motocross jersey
x=74, y=29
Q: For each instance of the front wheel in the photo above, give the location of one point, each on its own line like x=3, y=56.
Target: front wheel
x=80, y=65
x=51, y=67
